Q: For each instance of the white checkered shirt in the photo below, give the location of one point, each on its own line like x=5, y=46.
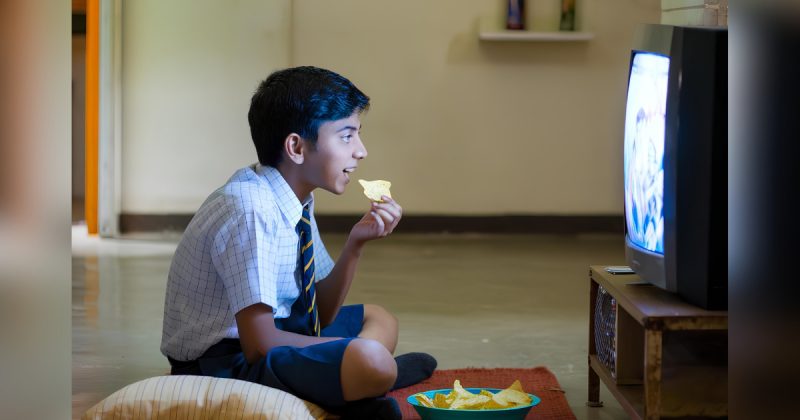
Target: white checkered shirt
x=240, y=248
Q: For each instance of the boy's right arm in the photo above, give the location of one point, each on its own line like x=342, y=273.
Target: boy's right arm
x=258, y=333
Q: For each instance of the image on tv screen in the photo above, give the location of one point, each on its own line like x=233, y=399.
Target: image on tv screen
x=644, y=150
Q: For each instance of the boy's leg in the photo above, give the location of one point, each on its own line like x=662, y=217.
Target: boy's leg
x=362, y=368
x=376, y=323
x=368, y=370
x=366, y=365
x=380, y=325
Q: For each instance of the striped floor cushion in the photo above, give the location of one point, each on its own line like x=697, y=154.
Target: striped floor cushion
x=201, y=397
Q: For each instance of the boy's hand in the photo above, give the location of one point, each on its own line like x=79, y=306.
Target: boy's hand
x=379, y=222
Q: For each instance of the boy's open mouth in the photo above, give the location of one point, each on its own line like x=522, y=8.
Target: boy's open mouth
x=348, y=171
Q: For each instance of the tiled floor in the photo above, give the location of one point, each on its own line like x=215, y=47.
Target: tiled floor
x=470, y=300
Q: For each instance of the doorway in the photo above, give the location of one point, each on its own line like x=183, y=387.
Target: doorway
x=78, y=113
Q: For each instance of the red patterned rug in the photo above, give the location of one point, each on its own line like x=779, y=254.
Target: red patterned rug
x=538, y=381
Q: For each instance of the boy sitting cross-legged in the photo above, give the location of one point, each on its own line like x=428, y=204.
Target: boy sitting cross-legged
x=252, y=293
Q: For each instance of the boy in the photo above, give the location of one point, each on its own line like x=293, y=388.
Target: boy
x=252, y=293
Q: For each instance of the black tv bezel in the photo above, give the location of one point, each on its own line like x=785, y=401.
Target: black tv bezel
x=696, y=244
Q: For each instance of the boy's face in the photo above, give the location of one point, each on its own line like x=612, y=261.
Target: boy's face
x=336, y=156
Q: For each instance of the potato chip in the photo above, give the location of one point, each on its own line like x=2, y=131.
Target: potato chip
x=374, y=190
x=460, y=392
x=517, y=386
x=472, y=403
x=424, y=400
x=514, y=396
x=500, y=399
x=487, y=393
x=450, y=397
x=494, y=405
x=440, y=401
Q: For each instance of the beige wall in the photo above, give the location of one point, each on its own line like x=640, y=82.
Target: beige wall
x=188, y=70
x=459, y=126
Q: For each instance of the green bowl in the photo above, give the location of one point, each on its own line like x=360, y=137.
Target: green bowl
x=430, y=413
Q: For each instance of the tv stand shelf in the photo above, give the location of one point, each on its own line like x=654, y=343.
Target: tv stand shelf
x=663, y=364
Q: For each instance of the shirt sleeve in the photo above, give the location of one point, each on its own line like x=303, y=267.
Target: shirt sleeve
x=243, y=259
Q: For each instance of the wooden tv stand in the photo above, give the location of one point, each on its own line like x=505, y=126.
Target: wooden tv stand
x=671, y=357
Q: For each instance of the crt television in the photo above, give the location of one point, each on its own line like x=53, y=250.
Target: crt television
x=676, y=163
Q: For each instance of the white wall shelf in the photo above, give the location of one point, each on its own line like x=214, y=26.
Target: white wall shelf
x=529, y=36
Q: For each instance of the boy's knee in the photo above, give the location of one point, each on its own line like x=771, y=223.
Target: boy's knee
x=372, y=363
x=380, y=313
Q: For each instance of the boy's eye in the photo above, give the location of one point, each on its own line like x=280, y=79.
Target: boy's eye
x=347, y=138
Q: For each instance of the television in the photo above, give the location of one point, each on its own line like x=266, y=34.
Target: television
x=675, y=161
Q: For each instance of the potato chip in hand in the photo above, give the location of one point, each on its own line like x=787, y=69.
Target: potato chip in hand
x=374, y=190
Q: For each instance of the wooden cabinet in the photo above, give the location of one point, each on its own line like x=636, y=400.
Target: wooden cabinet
x=658, y=356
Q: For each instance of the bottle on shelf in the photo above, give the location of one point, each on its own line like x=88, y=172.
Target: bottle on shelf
x=515, y=19
x=567, y=15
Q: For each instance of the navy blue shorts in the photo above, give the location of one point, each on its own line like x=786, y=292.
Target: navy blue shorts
x=312, y=373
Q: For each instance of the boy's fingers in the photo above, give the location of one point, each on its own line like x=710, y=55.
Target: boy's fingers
x=391, y=225
x=379, y=220
x=386, y=216
x=392, y=203
x=393, y=209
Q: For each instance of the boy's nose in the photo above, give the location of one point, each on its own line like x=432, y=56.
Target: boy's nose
x=361, y=151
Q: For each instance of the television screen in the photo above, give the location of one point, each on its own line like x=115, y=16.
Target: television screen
x=644, y=150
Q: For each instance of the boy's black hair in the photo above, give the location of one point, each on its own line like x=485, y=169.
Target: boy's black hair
x=298, y=100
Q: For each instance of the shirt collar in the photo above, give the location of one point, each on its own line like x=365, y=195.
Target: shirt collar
x=285, y=197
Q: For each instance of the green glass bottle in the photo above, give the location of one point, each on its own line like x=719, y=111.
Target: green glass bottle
x=567, y=15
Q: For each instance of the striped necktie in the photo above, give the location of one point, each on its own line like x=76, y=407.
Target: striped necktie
x=308, y=292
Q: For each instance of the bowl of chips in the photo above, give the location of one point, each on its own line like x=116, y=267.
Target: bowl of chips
x=473, y=403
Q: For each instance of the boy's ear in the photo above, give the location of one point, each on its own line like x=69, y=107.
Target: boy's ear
x=294, y=147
